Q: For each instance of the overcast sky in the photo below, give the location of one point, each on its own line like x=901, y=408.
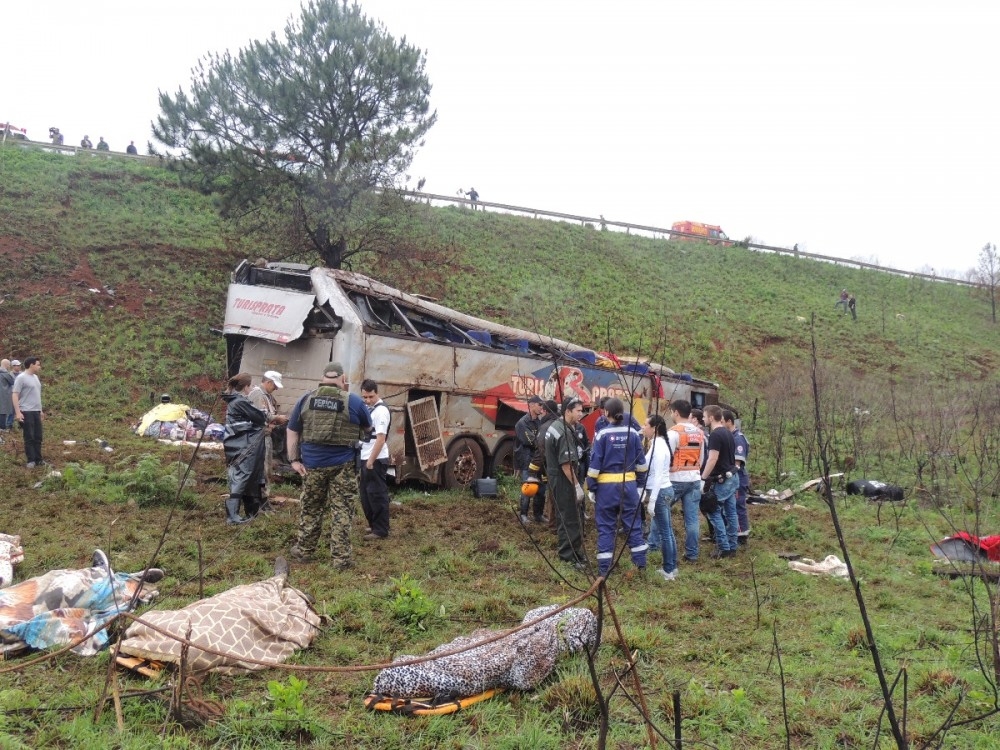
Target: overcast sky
x=855, y=129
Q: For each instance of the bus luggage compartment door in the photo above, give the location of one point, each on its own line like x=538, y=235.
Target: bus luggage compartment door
x=426, y=428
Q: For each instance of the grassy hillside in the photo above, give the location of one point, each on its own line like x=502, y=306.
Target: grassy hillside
x=728, y=313
x=115, y=273
x=71, y=224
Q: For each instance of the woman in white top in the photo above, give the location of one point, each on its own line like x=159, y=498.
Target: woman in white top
x=659, y=495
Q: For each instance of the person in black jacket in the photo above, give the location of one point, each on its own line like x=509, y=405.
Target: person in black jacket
x=244, y=446
x=526, y=437
x=537, y=473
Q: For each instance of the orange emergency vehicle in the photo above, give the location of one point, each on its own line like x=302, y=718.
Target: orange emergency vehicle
x=712, y=233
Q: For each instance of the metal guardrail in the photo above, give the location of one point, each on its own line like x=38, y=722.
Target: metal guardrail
x=79, y=151
x=671, y=233
x=541, y=213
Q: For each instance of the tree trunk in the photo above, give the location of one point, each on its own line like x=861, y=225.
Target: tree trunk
x=333, y=252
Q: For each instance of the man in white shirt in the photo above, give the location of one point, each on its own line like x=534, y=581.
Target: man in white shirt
x=375, y=464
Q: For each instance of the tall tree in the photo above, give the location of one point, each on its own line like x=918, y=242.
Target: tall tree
x=300, y=127
x=987, y=273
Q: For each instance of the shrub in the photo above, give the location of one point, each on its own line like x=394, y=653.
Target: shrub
x=410, y=604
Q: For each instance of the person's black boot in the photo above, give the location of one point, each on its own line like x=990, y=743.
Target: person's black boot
x=251, y=506
x=233, y=512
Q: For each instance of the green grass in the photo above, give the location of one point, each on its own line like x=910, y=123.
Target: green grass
x=698, y=635
x=927, y=418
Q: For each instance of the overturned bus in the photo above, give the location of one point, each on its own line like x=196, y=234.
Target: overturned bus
x=455, y=384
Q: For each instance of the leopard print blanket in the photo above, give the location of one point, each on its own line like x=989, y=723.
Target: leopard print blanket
x=520, y=661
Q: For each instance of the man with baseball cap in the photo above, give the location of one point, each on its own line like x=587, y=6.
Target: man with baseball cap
x=324, y=428
x=526, y=441
x=262, y=396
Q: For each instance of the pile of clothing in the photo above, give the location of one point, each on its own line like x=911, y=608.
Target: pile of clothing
x=169, y=421
x=873, y=489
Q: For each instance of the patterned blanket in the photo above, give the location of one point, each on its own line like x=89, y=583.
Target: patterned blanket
x=519, y=661
x=266, y=621
x=61, y=606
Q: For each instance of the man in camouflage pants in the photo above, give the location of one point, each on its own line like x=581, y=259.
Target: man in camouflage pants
x=323, y=430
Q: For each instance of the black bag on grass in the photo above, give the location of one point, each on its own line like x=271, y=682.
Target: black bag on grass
x=875, y=490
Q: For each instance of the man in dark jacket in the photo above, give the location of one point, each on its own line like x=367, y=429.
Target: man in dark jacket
x=536, y=466
x=561, y=456
x=244, y=446
x=6, y=403
x=526, y=440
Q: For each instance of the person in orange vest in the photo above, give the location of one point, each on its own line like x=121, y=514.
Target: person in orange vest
x=687, y=448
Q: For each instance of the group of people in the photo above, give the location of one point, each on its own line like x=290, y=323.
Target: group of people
x=21, y=402
x=849, y=303
x=102, y=145
x=336, y=441
x=633, y=473
x=59, y=139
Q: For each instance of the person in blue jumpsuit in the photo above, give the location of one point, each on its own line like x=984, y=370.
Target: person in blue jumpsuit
x=617, y=468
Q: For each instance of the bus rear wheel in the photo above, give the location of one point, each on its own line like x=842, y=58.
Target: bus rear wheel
x=465, y=464
x=503, y=460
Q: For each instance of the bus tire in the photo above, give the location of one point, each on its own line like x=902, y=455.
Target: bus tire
x=503, y=460
x=465, y=464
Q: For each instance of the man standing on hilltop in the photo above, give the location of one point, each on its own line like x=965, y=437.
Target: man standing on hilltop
x=844, y=295
x=27, y=397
